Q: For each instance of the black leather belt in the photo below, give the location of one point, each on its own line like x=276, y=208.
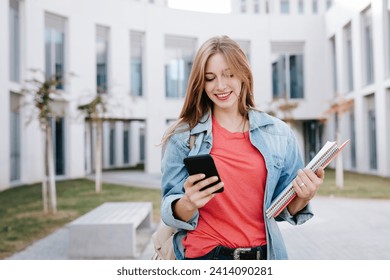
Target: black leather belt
x=257, y=253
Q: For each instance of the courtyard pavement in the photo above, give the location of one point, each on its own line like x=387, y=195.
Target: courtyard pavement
x=341, y=229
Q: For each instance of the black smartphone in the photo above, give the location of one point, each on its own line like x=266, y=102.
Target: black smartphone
x=203, y=164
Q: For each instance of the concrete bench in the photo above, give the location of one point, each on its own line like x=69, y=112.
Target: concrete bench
x=109, y=231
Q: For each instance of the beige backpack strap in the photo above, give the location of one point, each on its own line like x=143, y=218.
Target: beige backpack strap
x=192, y=141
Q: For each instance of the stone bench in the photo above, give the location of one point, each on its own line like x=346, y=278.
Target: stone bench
x=109, y=231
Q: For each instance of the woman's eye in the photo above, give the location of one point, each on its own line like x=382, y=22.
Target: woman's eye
x=209, y=79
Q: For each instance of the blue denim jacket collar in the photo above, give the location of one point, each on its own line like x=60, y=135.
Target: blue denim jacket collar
x=257, y=121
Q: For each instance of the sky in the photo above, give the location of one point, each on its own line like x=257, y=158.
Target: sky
x=213, y=6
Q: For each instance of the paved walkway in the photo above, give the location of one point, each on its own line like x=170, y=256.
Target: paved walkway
x=342, y=229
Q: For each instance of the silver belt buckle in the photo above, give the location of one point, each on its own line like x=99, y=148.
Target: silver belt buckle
x=238, y=251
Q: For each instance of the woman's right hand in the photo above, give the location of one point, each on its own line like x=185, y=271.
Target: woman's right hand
x=193, y=193
x=194, y=198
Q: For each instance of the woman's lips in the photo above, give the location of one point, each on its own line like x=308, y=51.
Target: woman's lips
x=223, y=96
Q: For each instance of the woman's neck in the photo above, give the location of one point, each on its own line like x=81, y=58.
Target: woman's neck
x=231, y=120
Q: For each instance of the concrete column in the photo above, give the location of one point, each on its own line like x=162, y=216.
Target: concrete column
x=155, y=92
x=4, y=97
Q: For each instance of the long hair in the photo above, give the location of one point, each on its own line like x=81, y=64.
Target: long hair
x=197, y=103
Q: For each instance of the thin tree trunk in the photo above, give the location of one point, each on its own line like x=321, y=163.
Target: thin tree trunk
x=91, y=159
x=51, y=177
x=45, y=175
x=98, y=158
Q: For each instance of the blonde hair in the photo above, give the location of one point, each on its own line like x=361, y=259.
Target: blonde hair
x=197, y=103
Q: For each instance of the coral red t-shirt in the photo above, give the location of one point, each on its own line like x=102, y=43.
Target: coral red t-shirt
x=233, y=218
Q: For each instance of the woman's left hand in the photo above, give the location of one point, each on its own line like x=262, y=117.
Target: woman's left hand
x=307, y=183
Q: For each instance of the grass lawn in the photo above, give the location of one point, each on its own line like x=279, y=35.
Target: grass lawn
x=22, y=220
x=356, y=186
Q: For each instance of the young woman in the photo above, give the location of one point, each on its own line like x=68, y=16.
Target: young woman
x=256, y=155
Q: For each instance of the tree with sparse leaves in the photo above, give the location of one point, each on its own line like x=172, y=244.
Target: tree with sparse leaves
x=42, y=95
x=94, y=111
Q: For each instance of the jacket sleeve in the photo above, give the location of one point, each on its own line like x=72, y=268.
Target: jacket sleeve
x=174, y=175
x=293, y=162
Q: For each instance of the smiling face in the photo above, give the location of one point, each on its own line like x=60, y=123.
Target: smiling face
x=221, y=85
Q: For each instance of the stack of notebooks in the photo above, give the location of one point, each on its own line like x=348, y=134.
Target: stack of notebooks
x=328, y=152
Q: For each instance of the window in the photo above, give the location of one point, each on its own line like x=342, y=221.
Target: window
x=14, y=40
x=372, y=138
x=179, y=53
x=58, y=134
x=126, y=142
x=312, y=130
x=367, y=47
x=55, y=49
x=245, y=46
x=15, y=148
x=243, y=6
x=352, y=133
x=371, y=120
x=334, y=64
x=387, y=120
x=136, y=62
x=142, y=143
x=112, y=140
x=102, y=59
x=387, y=37
x=256, y=6
x=315, y=6
x=284, y=6
x=301, y=7
x=287, y=70
x=348, y=57
x=329, y=4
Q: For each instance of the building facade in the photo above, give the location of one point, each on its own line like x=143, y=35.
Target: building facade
x=305, y=56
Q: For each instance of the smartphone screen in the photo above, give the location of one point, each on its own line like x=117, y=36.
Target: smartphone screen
x=202, y=164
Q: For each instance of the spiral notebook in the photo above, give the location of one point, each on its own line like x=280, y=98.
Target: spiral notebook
x=328, y=152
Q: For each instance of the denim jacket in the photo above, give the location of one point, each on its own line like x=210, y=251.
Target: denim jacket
x=275, y=141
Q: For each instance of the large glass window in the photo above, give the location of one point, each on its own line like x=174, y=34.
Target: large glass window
x=371, y=121
x=367, y=47
x=58, y=136
x=312, y=131
x=387, y=37
x=142, y=140
x=55, y=49
x=348, y=57
x=136, y=62
x=243, y=6
x=126, y=142
x=352, y=133
x=284, y=6
x=287, y=71
x=256, y=6
x=314, y=6
x=112, y=140
x=15, y=138
x=329, y=4
x=102, y=59
x=14, y=40
x=246, y=47
x=301, y=7
x=179, y=53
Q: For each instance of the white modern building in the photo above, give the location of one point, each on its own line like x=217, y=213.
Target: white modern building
x=137, y=54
